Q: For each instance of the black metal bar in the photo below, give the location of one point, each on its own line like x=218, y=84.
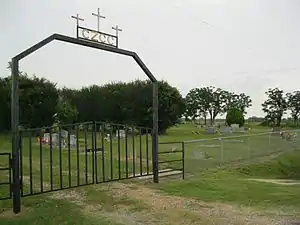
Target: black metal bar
x=147, y=150
x=126, y=150
x=85, y=149
x=103, y=152
x=41, y=166
x=183, y=159
x=155, y=132
x=95, y=145
x=21, y=161
x=141, y=154
x=168, y=152
x=51, y=161
x=119, y=153
x=30, y=163
x=4, y=169
x=9, y=174
x=69, y=158
x=111, y=153
x=60, y=158
x=77, y=158
x=170, y=161
x=15, y=133
x=133, y=150
x=93, y=154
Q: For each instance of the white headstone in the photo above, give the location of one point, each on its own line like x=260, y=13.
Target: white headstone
x=54, y=139
x=46, y=137
x=226, y=129
x=211, y=130
x=73, y=140
x=121, y=133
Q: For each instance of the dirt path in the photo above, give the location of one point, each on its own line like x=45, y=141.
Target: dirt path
x=161, y=209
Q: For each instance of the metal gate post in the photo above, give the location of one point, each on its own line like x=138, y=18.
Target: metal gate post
x=155, y=133
x=15, y=133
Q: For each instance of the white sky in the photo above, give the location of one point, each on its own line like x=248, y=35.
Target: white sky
x=239, y=45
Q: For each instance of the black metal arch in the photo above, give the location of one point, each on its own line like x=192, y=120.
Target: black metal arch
x=15, y=105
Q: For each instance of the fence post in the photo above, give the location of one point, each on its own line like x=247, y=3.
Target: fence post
x=15, y=136
x=183, y=155
x=249, y=149
x=222, y=150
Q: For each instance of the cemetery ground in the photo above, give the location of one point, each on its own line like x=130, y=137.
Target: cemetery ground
x=217, y=190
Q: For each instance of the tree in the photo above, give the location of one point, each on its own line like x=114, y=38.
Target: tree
x=275, y=106
x=239, y=101
x=235, y=116
x=293, y=100
x=218, y=102
x=66, y=113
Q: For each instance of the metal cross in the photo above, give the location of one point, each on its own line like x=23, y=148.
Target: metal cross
x=77, y=18
x=117, y=29
x=99, y=16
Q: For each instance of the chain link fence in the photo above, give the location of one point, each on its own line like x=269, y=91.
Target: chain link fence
x=217, y=152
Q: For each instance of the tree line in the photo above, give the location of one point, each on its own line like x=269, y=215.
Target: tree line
x=210, y=102
x=42, y=103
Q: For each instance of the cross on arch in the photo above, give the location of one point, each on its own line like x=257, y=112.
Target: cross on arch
x=117, y=29
x=99, y=16
x=77, y=18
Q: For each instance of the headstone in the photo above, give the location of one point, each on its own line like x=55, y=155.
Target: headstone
x=121, y=133
x=211, y=130
x=226, y=130
x=46, y=138
x=235, y=127
x=55, y=139
x=73, y=140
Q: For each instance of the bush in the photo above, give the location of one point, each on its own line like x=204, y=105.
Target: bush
x=235, y=116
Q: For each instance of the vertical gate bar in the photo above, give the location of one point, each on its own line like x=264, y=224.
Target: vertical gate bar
x=86, y=149
x=111, y=153
x=141, y=154
x=69, y=158
x=183, y=158
x=41, y=164
x=9, y=175
x=15, y=131
x=60, y=158
x=96, y=152
x=103, y=151
x=155, y=132
x=93, y=154
x=147, y=150
x=133, y=151
x=119, y=153
x=126, y=150
x=30, y=162
x=21, y=161
x=51, y=165
x=77, y=153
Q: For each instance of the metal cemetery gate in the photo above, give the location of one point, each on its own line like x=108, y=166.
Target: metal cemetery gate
x=16, y=164
x=57, y=158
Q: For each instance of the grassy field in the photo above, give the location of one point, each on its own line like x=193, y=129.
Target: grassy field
x=213, y=193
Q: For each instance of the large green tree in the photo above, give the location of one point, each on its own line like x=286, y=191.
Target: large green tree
x=275, y=106
x=293, y=100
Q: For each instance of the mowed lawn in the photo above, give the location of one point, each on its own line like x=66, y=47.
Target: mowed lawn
x=211, y=193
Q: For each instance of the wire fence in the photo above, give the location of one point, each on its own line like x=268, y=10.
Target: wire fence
x=227, y=151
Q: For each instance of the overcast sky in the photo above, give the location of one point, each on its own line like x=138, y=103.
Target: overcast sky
x=239, y=45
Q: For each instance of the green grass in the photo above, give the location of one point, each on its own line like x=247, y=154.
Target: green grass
x=232, y=184
x=208, y=183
